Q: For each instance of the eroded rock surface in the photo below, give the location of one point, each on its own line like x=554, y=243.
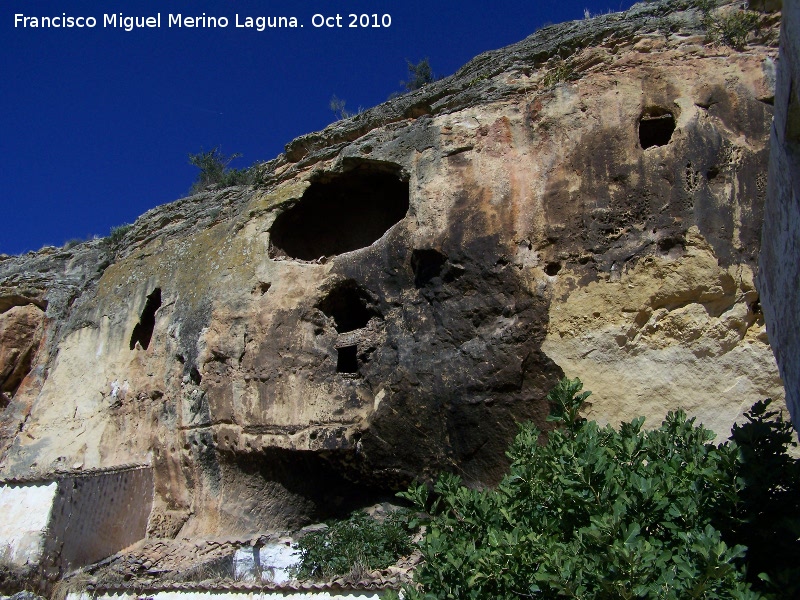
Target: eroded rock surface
x=406, y=286
x=20, y=335
x=779, y=275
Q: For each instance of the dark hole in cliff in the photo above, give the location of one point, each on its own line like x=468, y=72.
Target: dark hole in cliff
x=310, y=485
x=427, y=265
x=655, y=127
x=340, y=213
x=552, y=268
x=194, y=375
x=349, y=306
x=667, y=244
x=262, y=288
x=347, y=360
x=147, y=321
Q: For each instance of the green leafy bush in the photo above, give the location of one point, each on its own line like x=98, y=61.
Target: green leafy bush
x=598, y=512
x=732, y=29
x=352, y=546
x=767, y=513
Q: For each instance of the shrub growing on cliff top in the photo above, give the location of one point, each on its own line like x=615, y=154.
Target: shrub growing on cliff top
x=731, y=29
x=213, y=165
x=734, y=28
x=419, y=75
x=598, y=512
x=118, y=233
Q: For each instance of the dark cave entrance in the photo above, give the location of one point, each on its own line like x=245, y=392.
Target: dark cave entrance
x=143, y=330
x=341, y=212
x=318, y=485
x=427, y=265
x=349, y=306
x=656, y=126
x=351, y=309
x=552, y=268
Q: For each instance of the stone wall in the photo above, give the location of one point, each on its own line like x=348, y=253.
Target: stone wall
x=74, y=519
x=96, y=515
x=779, y=276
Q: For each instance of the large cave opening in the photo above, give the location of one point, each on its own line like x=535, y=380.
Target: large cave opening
x=656, y=126
x=143, y=330
x=287, y=489
x=341, y=212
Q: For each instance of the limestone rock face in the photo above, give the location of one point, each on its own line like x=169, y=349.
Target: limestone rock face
x=20, y=335
x=779, y=274
x=406, y=286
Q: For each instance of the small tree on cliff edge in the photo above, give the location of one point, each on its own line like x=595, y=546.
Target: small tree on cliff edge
x=419, y=75
x=213, y=165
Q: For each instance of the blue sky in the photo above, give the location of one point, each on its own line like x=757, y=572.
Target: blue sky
x=96, y=123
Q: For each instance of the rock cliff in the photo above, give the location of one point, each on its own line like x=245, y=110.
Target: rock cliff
x=779, y=273
x=404, y=287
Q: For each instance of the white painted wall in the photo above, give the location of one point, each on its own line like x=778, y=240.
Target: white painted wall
x=24, y=515
x=269, y=563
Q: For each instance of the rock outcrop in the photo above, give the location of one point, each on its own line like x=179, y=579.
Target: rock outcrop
x=405, y=286
x=779, y=273
x=20, y=335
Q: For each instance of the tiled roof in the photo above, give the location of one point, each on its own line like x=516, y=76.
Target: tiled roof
x=58, y=475
x=163, y=565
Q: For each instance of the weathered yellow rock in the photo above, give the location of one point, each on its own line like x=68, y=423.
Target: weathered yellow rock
x=667, y=334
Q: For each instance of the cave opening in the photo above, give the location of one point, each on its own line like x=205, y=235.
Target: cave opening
x=656, y=126
x=427, y=265
x=347, y=359
x=340, y=213
x=319, y=485
x=349, y=306
x=552, y=268
x=143, y=331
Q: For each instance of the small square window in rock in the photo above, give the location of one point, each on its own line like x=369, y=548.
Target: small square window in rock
x=347, y=360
